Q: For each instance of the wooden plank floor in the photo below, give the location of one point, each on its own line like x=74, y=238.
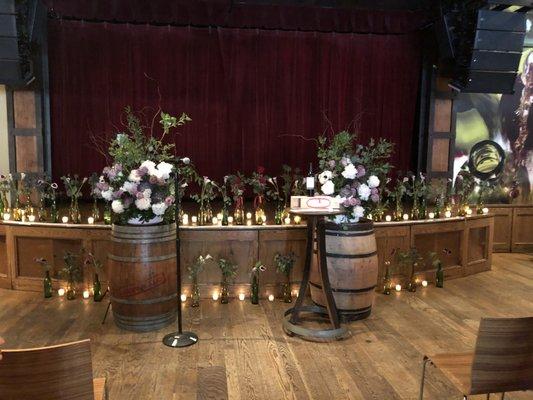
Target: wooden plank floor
x=243, y=353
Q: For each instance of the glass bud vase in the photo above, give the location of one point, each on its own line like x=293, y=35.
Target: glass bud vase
x=280, y=211
x=224, y=291
x=255, y=290
x=74, y=211
x=387, y=284
x=71, y=291
x=54, y=215
x=41, y=212
x=423, y=209
x=259, y=212
x=287, y=295
x=225, y=215
x=439, y=276
x=398, y=213
x=96, y=210
x=195, y=294
x=238, y=212
x=47, y=285
x=3, y=204
x=97, y=288
x=107, y=214
x=415, y=212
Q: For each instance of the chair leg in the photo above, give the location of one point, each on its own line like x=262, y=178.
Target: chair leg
x=424, y=363
x=488, y=396
x=503, y=395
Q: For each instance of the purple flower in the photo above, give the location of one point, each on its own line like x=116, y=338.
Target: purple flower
x=140, y=195
x=346, y=203
x=106, y=170
x=374, y=197
x=344, y=161
x=374, y=191
x=142, y=171
x=118, y=193
x=169, y=200
x=353, y=201
x=118, y=167
x=111, y=174
x=103, y=186
x=332, y=164
x=360, y=171
x=127, y=202
x=346, y=191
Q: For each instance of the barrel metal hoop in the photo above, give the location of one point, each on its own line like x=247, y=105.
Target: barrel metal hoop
x=340, y=290
x=145, y=301
x=349, y=233
x=142, y=241
x=141, y=259
x=356, y=310
x=337, y=255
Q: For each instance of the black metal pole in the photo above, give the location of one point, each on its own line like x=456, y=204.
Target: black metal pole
x=179, y=338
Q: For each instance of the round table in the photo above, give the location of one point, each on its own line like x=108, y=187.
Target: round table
x=291, y=322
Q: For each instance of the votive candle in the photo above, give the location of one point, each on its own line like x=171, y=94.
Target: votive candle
x=270, y=297
x=61, y=292
x=297, y=219
x=64, y=219
x=215, y=296
x=485, y=210
x=287, y=220
x=194, y=219
x=242, y=296
x=248, y=215
x=388, y=218
x=90, y=220
x=448, y=214
x=431, y=215
x=230, y=220
x=31, y=218
x=7, y=216
x=86, y=294
x=215, y=220
x=405, y=217
x=185, y=219
x=398, y=287
x=469, y=211
x=183, y=297
x=425, y=283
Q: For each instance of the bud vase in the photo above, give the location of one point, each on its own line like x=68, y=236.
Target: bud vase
x=195, y=294
x=4, y=205
x=238, y=212
x=398, y=213
x=255, y=289
x=74, y=211
x=205, y=215
x=54, y=215
x=287, y=295
x=225, y=215
x=97, y=289
x=439, y=276
x=259, y=212
x=278, y=216
x=107, y=214
x=41, y=212
x=71, y=291
x=224, y=291
x=47, y=285
x=96, y=210
x=387, y=284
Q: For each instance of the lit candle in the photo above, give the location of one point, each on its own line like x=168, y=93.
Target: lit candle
x=215, y=296
x=215, y=220
x=431, y=215
x=90, y=220
x=398, y=287
x=270, y=297
x=61, y=292
x=7, y=216
x=388, y=218
x=287, y=220
x=248, y=215
x=185, y=219
x=64, y=219
x=425, y=283
x=219, y=216
x=194, y=219
x=241, y=296
x=485, y=210
x=230, y=220
x=31, y=218
x=183, y=297
x=448, y=214
x=405, y=217
x=297, y=219
x=469, y=211
x=86, y=294
x=249, y=222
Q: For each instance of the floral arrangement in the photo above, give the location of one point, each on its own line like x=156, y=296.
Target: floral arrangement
x=198, y=266
x=352, y=173
x=397, y=193
x=5, y=188
x=258, y=182
x=91, y=260
x=285, y=263
x=228, y=269
x=73, y=187
x=186, y=174
x=47, y=194
x=226, y=199
x=418, y=190
x=293, y=182
x=208, y=192
x=72, y=273
x=138, y=183
x=237, y=184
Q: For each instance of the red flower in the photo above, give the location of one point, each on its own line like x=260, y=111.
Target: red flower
x=260, y=169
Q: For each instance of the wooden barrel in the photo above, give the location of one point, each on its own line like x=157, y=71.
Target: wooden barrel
x=352, y=266
x=142, y=276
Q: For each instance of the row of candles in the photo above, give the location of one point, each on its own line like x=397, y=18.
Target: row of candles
x=217, y=220
x=398, y=287
x=431, y=215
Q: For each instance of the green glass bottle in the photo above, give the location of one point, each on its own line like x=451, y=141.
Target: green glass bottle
x=107, y=214
x=278, y=216
x=97, y=289
x=287, y=295
x=255, y=290
x=225, y=215
x=195, y=294
x=54, y=215
x=439, y=279
x=47, y=285
x=387, y=280
x=224, y=294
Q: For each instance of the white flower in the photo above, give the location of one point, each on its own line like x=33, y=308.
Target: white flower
x=147, y=193
x=22, y=176
x=107, y=194
x=143, y=204
x=364, y=192
x=373, y=181
x=134, y=176
x=349, y=171
x=328, y=188
x=165, y=169
x=324, y=177
x=101, y=179
x=117, y=206
x=159, y=208
x=186, y=160
x=358, y=212
x=150, y=166
x=130, y=187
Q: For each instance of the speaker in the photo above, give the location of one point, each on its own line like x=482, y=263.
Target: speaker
x=487, y=47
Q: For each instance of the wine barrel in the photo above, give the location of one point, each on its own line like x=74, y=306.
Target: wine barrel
x=352, y=267
x=142, y=276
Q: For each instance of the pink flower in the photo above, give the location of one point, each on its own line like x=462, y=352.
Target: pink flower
x=140, y=195
x=169, y=200
x=374, y=198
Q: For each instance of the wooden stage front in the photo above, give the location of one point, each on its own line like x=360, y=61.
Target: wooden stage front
x=243, y=353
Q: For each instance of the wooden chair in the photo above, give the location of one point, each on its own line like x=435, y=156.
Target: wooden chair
x=501, y=362
x=62, y=372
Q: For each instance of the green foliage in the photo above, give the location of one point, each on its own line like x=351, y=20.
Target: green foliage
x=237, y=185
x=72, y=271
x=335, y=148
x=285, y=262
x=228, y=269
x=292, y=182
x=258, y=181
x=208, y=190
x=91, y=260
x=408, y=258
x=73, y=185
x=198, y=266
x=257, y=268
x=274, y=192
x=374, y=157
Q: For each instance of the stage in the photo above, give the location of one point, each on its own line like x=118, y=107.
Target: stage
x=244, y=354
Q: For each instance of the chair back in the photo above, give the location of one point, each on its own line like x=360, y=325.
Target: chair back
x=48, y=373
x=503, y=358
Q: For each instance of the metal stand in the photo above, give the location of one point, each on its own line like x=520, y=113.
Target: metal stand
x=179, y=338
x=292, y=318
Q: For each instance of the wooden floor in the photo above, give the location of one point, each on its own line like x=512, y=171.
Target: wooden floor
x=244, y=354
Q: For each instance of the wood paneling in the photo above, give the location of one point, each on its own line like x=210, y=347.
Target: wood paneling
x=244, y=351
x=440, y=155
x=442, y=121
x=522, y=235
x=24, y=109
x=503, y=221
x=27, y=157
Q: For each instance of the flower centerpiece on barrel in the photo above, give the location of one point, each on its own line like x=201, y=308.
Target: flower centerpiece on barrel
x=139, y=185
x=355, y=175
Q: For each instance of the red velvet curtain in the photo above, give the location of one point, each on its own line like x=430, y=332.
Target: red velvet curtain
x=253, y=95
